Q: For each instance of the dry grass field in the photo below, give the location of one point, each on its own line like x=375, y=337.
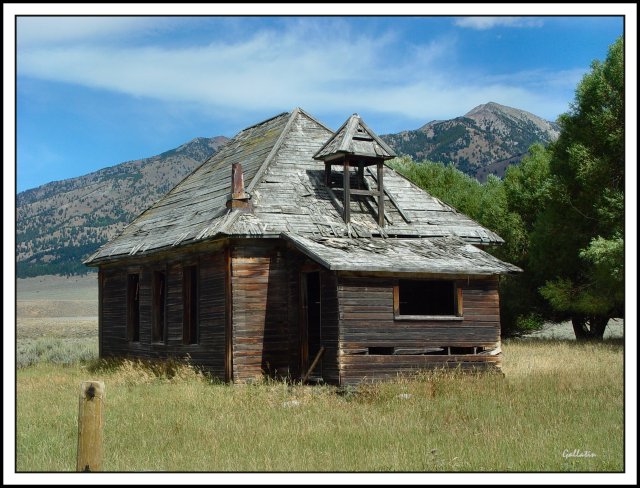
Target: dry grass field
x=56, y=314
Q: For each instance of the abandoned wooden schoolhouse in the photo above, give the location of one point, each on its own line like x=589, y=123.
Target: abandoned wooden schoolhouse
x=294, y=251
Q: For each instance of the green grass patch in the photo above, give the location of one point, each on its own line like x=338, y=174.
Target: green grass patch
x=555, y=399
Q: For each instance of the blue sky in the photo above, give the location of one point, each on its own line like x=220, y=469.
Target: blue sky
x=95, y=91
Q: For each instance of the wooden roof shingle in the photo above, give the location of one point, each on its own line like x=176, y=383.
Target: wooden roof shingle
x=289, y=197
x=437, y=255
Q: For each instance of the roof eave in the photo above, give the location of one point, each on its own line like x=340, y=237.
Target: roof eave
x=478, y=272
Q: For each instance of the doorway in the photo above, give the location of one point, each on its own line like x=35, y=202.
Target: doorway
x=311, y=333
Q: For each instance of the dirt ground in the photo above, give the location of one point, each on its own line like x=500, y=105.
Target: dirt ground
x=56, y=306
x=564, y=331
x=74, y=288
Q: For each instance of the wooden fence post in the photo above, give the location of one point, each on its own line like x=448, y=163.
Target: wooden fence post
x=90, y=426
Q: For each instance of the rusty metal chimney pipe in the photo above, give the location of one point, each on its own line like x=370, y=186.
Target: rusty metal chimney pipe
x=237, y=182
x=239, y=199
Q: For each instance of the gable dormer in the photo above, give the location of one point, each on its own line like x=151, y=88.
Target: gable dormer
x=355, y=146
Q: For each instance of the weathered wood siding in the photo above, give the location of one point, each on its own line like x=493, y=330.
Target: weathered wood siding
x=263, y=285
x=366, y=319
x=263, y=294
x=294, y=264
x=113, y=313
x=209, y=351
x=146, y=278
x=249, y=307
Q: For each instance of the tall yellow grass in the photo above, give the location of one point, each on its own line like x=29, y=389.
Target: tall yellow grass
x=557, y=408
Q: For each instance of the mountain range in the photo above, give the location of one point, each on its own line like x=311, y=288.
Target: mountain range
x=58, y=224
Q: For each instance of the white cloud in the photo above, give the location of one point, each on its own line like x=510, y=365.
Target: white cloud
x=262, y=69
x=484, y=23
x=304, y=65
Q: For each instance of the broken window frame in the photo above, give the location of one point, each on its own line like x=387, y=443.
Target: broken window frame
x=133, y=307
x=190, y=304
x=159, y=306
x=455, y=307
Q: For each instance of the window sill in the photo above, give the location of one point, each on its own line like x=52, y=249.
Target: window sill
x=441, y=318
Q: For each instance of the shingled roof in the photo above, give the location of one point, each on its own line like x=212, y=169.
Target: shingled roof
x=435, y=255
x=355, y=138
x=289, y=199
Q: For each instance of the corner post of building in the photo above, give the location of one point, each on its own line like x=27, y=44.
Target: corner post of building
x=380, y=194
x=347, y=192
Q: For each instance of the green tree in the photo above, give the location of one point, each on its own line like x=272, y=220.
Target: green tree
x=577, y=239
x=527, y=188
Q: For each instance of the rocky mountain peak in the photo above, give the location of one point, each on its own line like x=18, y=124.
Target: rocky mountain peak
x=500, y=116
x=484, y=141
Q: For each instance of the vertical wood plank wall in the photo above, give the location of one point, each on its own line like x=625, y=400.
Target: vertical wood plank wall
x=209, y=352
x=113, y=314
x=265, y=292
x=329, y=327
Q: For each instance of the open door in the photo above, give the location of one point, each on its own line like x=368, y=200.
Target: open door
x=311, y=331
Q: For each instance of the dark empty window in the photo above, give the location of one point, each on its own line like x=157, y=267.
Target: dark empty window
x=430, y=298
x=159, y=305
x=133, y=307
x=190, y=305
x=381, y=351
